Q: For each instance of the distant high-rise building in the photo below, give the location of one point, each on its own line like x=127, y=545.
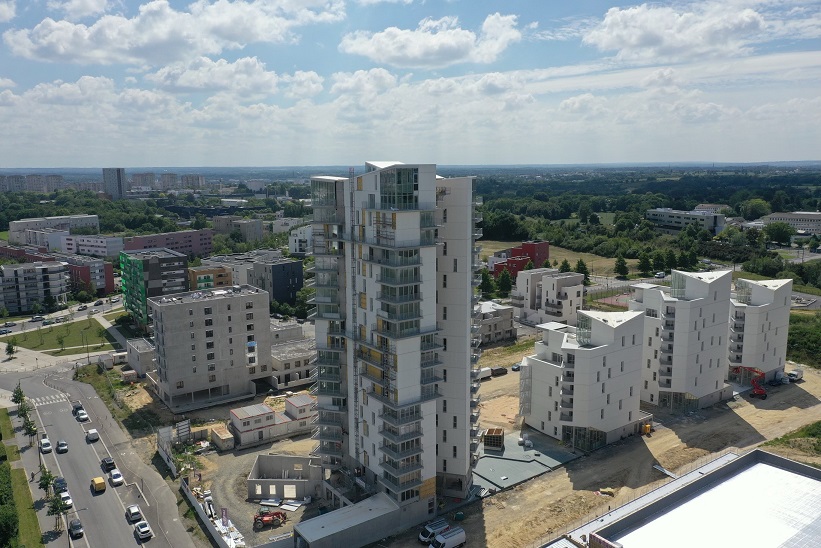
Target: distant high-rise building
x=193, y=181
x=146, y=180
x=114, y=182
x=168, y=181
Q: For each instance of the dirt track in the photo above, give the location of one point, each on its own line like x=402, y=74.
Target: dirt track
x=535, y=512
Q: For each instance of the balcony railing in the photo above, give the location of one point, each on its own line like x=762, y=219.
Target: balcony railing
x=396, y=437
x=327, y=449
x=398, y=486
x=566, y=416
x=400, y=469
x=398, y=299
x=665, y=372
x=398, y=419
x=399, y=454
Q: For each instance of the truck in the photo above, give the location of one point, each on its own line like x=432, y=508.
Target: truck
x=484, y=373
x=452, y=538
x=795, y=375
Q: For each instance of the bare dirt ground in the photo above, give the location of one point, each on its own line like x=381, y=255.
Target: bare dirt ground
x=542, y=509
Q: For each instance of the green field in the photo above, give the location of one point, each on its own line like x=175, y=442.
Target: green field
x=111, y=316
x=42, y=339
x=29, y=534
x=810, y=290
x=6, y=429
x=596, y=264
x=4, y=235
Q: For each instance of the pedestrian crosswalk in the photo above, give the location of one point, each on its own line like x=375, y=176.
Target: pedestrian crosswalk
x=45, y=400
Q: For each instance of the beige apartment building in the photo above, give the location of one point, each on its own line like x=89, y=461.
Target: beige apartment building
x=545, y=295
x=496, y=322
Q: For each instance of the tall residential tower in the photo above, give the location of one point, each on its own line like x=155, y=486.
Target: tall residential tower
x=114, y=182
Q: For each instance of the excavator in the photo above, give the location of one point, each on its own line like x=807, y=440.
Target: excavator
x=757, y=382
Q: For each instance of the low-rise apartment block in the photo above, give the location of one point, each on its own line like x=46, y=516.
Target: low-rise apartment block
x=250, y=229
x=281, y=278
x=260, y=423
x=88, y=273
x=759, y=322
x=243, y=263
x=23, y=285
x=49, y=238
x=292, y=355
x=805, y=222
x=546, y=295
x=300, y=240
x=672, y=221
x=684, y=363
x=516, y=259
x=211, y=346
x=94, y=245
x=495, y=321
x=17, y=229
x=209, y=277
x=151, y=273
x=194, y=243
x=581, y=385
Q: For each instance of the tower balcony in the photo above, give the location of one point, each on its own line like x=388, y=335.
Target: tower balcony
x=398, y=436
x=330, y=449
x=398, y=469
x=399, y=453
x=398, y=486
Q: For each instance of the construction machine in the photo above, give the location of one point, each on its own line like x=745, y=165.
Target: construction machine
x=757, y=381
x=267, y=516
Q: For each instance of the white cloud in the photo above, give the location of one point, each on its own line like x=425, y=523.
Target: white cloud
x=245, y=76
x=649, y=32
x=6, y=83
x=159, y=34
x=363, y=82
x=7, y=9
x=373, y=2
x=77, y=9
x=303, y=84
x=435, y=42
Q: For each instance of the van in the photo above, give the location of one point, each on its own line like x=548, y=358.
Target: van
x=452, y=538
x=432, y=529
x=660, y=275
x=484, y=373
x=98, y=484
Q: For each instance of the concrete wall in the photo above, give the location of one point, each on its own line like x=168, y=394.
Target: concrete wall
x=284, y=477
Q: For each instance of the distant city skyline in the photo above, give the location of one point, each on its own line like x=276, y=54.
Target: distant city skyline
x=96, y=83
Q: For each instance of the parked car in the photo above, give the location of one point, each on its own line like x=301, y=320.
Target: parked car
x=82, y=307
x=48, y=322
x=45, y=445
x=116, y=477
x=82, y=416
x=108, y=464
x=5, y=331
x=60, y=484
x=36, y=319
x=92, y=435
x=99, y=303
x=66, y=498
x=516, y=366
x=498, y=371
x=75, y=528
x=143, y=530
x=62, y=446
x=9, y=324
x=660, y=275
x=94, y=310
x=115, y=300
x=133, y=513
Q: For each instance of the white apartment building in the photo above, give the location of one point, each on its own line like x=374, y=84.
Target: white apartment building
x=759, y=323
x=395, y=276
x=95, y=245
x=581, y=385
x=672, y=221
x=684, y=363
x=210, y=345
x=545, y=295
x=808, y=222
x=495, y=322
x=711, y=208
x=23, y=285
x=242, y=264
x=17, y=229
x=300, y=240
x=50, y=238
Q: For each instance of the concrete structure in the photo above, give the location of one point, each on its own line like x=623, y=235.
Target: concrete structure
x=496, y=322
x=259, y=423
x=581, y=385
x=144, y=180
x=96, y=246
x=168, y=181
x=50, y=238
x=711, y=208
x=684, y=364
x=141, y=356
x=300, y=240
x=192, y=181
x=515, y=259
x=292, y=363
x=13, y=183
x=393, y=329
x=759, y=323
x=114, y=182
x=546, y=295
x=808, y=222
x=151, y=273
x=210, y=345
x=243, y=263
x=781, y=497
x=284, y=224
x=23, y=285
x=17, y=229
x=672, y=221
x=284, y=477
x=88, y=273
x=281, y=278
x=194, y=243
x=360, y=524
x=209, y=277
x=251, y=229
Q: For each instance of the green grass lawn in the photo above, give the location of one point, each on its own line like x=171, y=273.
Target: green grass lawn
x=12, y=452
x=45, y=338
x=596, y=264
x=795, y=287
x=6, y=429
x=29, y=534
x=4, y=235
x=111, y=316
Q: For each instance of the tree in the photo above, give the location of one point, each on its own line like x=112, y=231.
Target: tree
x=10, y=349
x=30, y=428
x=56, y=508
x=594, y=219
x=199, y=222
x=529, y=265
x=621, y=267
x=50, y=303
x=581, y=268
x=645, y=265
x=565, y=266
x=4, y=312
x=779, y=232
x=101, y=333
x=61, y=340
x=505, y=283
x=23, y=409
x=17, y=396
x=488, y=284
x=546, y=263
x=46, y=479
x=755, y=209
x=670, y=260
x=753, y=237
x=9, y=522
x=36, y=308
x=555, y=262
x=659, y=263
x=302, y=298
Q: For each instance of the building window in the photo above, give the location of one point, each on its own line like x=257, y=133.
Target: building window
x=263, y=367
x=444, y=281
x=209, y=322
x=252, y=359
x=444, y=435
x=209, y=345
x=444, y=406
x=444, y=461
x=454, y=265
x=193, y=358
x=193, y=336
x=230, y=351
x=631, y=391
x=249, y=327
x=209, y=356
x=180, y=384
x=250, y=338
x=454, y=421
x=454, y=451
x=209, y=333
x=287, y=365
x=212, y=378
x=208, y=311
x=249, y=316
x=444, y=345
x=444, y=375
x=444, y=312
x=193, y=347
x=252, y=370
x=212, y=367
x=601, y=414
x=191, y=324
x=194, y=369
x=445, y=249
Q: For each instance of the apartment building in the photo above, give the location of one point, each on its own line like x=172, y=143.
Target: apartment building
x=673, y=221
x=759, y=322
x=684, y=362
x=515, y=259
x=711, y=208
x=241, y=264
x=23, y=285
x=806, y=222
x=88, y=273
x=114, y=182
x=209, y=277
x=95, y=245
x=49, y=238
x=13, y=183
x=300, y=240
x=211, y=346
x=193, y=181
x=151, y=273
x=292, y=363
x=17, y=229
x=194, y=243
x=495, y=321
x=169, y=181
x=281, y=278
x=581, y=385
x=395, y=351
x=144, y=180
x=545, y=295
x=250, y=229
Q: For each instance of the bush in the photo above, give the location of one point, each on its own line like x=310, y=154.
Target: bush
x=3, y=452
x=9, y=524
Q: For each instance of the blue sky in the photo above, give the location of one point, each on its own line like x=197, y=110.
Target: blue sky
x=87, y=83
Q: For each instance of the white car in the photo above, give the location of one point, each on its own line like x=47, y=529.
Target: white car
x=143, y=530
x=82, y=416
x=66, y=498
x=116, y=477
x=92, y=435
x=133, y=513
x=45, y=445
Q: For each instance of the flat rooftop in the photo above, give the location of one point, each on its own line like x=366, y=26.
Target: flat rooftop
x=250, y=411
x=141, y=345
x=293, y=349
x=341, y=519
x=760, y=500
x=161, y=252
x=206, y=294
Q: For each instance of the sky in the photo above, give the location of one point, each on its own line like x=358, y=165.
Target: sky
x=89, y=83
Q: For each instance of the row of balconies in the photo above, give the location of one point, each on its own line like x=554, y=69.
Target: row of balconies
x=398, y=486
x=398, y=452
x=400, y=468
x=396, y=436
